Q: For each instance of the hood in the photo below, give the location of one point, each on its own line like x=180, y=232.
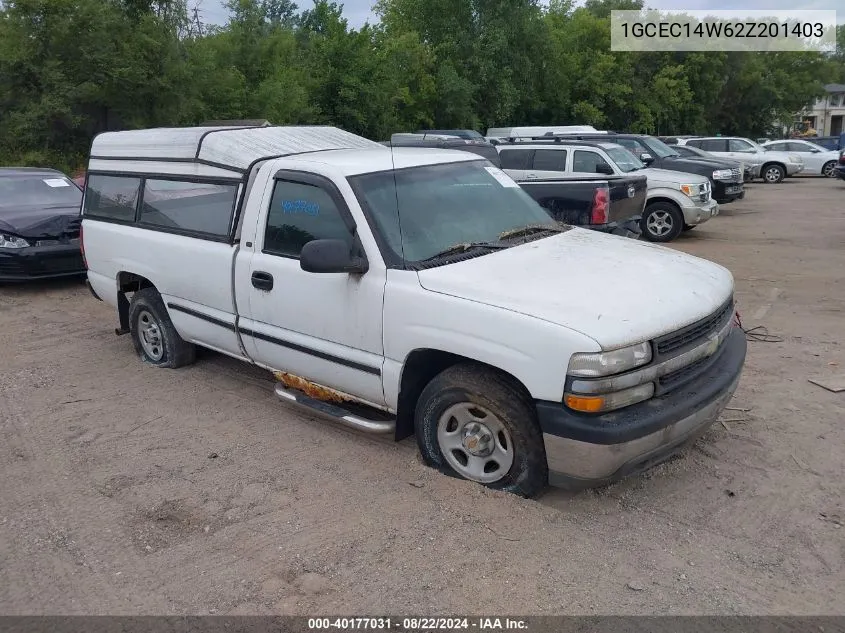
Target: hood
x=656, y=176
x=38, y=221
x=615, y=290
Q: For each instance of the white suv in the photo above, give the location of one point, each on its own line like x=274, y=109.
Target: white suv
x=772, y=167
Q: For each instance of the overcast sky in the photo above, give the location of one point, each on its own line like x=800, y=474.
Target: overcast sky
x=360, y=11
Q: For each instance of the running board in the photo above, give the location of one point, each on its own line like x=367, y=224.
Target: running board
x=334, y=412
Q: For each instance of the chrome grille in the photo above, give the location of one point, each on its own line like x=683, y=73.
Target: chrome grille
x=691, y=333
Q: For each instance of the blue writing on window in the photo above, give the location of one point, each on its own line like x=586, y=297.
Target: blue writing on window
x=301, y=206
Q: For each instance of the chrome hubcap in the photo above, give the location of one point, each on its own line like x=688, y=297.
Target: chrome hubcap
x=475, y=443
x=659, y=223
x=828, y=169
x=149, y=334
x=772, y=175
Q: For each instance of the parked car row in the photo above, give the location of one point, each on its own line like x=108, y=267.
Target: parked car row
x=681, y=193
x=414, y=291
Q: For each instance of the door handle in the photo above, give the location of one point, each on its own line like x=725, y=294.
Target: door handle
x=262, y=280
x=531, y=176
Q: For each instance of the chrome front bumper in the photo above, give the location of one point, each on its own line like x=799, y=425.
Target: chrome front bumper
x=576, y=464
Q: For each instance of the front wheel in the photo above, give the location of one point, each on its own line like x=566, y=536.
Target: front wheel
x=829, y=169
x=474, y=423
x=662, y=222
x=773, y=174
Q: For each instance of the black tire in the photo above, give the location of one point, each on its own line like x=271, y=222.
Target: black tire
x=169, y=349
x=772, y=174
x=689, y=227
x=670, y=218
x=470, y=384
x=829, y=169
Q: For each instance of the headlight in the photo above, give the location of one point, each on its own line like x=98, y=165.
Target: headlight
x=12, y=241
x=609, y=363
x=609, y=401
x=722, y=174
x=694, y=191
x=795, y=159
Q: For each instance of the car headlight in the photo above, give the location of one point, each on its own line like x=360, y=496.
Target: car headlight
x=723, y=174
x=609, y=363
x=609, y=401
x=795, y=159
x=12, y=241
x=693, y=191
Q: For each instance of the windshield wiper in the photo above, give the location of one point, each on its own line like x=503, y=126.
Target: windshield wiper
x=464, y=247
x=529, y=230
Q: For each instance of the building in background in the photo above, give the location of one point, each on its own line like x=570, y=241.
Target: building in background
x=827, y=115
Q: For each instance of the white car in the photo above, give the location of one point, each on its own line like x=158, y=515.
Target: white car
x=817, y=159
x=676, y=201
x=414, y=292
x=771, y=166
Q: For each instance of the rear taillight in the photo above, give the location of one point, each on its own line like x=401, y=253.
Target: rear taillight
x=82, y=248
x=601, y=206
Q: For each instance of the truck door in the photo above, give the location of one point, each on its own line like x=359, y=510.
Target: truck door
x=325, y=328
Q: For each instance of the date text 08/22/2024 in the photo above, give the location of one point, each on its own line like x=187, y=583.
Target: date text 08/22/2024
x=417, y=624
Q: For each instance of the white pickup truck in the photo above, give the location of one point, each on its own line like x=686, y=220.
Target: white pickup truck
x=411, y=292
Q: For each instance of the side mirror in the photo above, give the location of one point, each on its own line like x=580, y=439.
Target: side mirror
x=330, y=256
x=815, y=151
x=646, y=158
x=603, y=168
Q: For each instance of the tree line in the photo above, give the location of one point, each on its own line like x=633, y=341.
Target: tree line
x=70, y=69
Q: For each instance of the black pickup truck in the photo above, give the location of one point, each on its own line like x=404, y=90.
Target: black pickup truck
x=610, y=204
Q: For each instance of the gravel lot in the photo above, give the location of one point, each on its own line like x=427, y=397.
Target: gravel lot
x=132, y=490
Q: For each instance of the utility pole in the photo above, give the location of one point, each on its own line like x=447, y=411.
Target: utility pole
x=196, y=23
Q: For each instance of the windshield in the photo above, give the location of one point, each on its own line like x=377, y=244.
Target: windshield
x=42, y=190
x=441, y=206
x=659, y=148
x=624, y=159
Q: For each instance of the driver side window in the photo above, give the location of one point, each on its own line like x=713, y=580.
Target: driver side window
x=588, y=162
x=301, y=213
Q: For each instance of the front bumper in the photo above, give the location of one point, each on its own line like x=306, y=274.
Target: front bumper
x=41, y=262
x=794, y=168
x=725, y=192
x=696, y=214
x=585, y=451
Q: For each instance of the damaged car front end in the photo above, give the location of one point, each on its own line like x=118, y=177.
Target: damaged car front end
x=39, y=225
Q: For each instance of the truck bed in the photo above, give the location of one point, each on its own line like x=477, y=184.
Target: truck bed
x=570, y=200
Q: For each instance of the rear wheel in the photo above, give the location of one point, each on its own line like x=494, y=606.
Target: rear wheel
x=474, y=423
x=662, y=222
x=773, y=174
x=153, y=335
x=829, y=169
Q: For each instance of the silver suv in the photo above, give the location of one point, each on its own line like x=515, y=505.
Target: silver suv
x=772, y=167
x=676, y=201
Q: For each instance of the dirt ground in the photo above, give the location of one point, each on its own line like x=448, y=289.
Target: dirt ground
x=133, y=490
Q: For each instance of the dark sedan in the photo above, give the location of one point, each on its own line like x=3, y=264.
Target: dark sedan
x=688, y=151
x=840, y=167
x=39, y=225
